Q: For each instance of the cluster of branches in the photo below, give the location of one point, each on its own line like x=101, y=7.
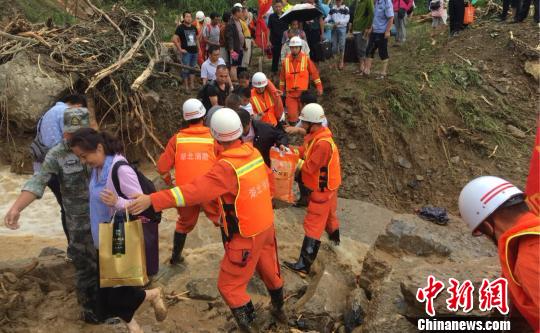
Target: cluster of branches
x=112, y=55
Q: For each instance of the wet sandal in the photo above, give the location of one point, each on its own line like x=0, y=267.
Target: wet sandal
x=160, y=309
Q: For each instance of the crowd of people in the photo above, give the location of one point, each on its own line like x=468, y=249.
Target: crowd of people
x=222, y=165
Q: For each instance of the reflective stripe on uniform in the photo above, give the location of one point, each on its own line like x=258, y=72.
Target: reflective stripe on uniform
x=261, y=105
x=300, y=165
x=178, y=196
x=195, y=140
x=303, y=63
x=531, y=231
x=257, y=105
x=250, y=166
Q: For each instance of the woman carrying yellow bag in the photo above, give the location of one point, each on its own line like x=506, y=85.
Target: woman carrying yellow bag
x=101, y=151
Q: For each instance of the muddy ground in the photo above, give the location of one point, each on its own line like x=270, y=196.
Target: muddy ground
x=43, y=299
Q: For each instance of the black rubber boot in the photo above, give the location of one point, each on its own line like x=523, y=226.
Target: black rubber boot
x=278, y=312
x=308, y=254
x=178, y=246
x=245, y=316
x=334, y=237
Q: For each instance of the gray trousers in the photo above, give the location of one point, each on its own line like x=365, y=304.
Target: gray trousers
x=401, y=33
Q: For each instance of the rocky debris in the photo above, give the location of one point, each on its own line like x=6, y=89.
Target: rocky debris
x=533, y=69
x=356, y=308
x=27, y=285
x=414, y=184
x=204, y=289
x=516, y=132
x=473, y=270
x=29, y=90
x=51, y=251
x=404, y=163
x=330, y=296
x=405, y=255
x=455, y=159
x=352, y=146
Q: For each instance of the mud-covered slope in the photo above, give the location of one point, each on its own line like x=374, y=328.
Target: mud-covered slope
x=448, y=112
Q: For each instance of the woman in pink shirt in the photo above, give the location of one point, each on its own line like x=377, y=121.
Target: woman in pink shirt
x=101, y=151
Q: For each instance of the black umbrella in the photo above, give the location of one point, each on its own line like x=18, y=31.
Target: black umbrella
x=301, y=12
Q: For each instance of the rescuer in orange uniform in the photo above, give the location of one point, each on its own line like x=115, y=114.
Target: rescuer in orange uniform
x=265, y=100
x=494, y=207
x=192, y=152
x=321, y=174
x=296, y=70
x=240, y=180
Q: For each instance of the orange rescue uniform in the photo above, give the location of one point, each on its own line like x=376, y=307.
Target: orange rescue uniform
x=267, y=105
x=240, y=180
x=192, y=152
x=294, y=79
x=519, y=253
x=321, y=174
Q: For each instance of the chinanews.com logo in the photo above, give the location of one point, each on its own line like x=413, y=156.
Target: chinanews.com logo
x=492, y=295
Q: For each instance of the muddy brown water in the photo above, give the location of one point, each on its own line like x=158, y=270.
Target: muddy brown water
x=40, y=222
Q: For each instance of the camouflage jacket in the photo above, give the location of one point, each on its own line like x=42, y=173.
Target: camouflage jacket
x=72, y=175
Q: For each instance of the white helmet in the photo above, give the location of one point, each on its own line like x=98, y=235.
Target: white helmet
x=193, y=109
x=259, y=80
x=312, y=113
x=482, y=196
x=295, y=41
x=226, y=125
x=199, y=16
x=238, y=4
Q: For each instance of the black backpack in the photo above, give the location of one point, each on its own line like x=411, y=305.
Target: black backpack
x=37, y=149
x=147, y=187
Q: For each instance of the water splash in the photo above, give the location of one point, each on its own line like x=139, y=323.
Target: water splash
x=41, y=218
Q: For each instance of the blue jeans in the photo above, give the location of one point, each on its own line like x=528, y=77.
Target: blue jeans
x=189, y=59
x=338, y=40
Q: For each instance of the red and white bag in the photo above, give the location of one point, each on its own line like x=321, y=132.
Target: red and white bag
x=284, y=168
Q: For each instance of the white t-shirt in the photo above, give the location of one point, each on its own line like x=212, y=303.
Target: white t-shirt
x=249, y=108
x=208, y=69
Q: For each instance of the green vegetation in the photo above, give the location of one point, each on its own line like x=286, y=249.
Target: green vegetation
x=40, y=11
x=463, y=76
x=166, y=12
x=405, y=114
x=474, y=117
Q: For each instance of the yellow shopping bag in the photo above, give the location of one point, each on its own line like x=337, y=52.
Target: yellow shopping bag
x=122, y=260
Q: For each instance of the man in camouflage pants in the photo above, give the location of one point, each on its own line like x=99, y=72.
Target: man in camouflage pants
x=73, y=178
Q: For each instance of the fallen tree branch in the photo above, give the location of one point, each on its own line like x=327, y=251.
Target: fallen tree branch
x=139, y=81
x=102, y=13
x=523, y=47
x=114, y=67
x=19, y=38
x=486, y=100
x=494, y=151
x=464, y=59
x=36, y=36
